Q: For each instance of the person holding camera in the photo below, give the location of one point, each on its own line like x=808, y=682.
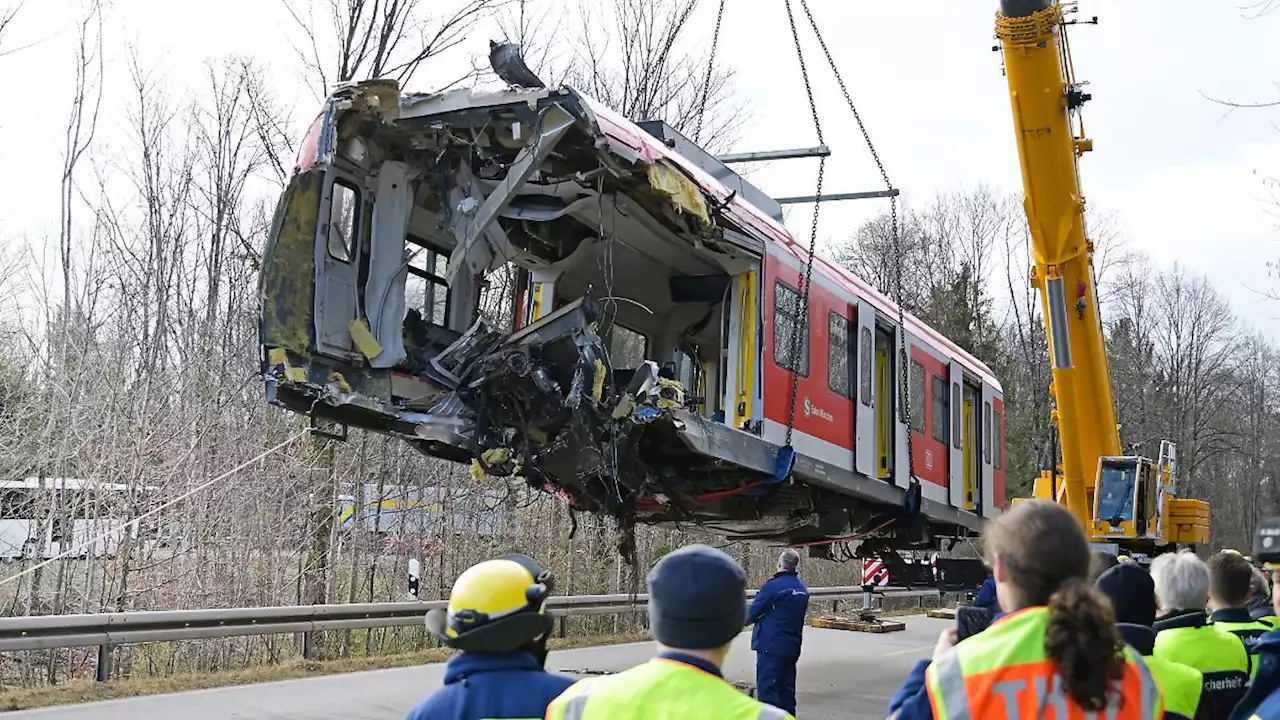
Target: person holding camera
x=1057, y=647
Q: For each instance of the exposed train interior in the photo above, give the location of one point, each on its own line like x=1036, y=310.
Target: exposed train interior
x=498, y=281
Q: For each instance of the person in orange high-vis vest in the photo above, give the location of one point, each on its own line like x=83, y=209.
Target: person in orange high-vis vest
x=1056, y=654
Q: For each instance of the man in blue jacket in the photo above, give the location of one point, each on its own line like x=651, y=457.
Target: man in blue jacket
x=987, y=599
x=497, y=620
x=778, y=615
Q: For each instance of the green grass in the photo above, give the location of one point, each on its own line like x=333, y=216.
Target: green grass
x=82, y=691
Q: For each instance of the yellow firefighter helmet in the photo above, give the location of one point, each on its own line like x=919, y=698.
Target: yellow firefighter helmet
x=496, y=606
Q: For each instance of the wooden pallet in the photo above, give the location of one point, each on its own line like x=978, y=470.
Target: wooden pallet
x=943, y=613
x=833, y=622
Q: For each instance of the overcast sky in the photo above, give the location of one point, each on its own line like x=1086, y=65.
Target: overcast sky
x=1182, y=175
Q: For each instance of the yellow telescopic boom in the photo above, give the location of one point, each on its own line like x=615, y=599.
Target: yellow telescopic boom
x=1046, y=100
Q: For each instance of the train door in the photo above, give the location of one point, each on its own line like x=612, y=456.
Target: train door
x=956, y=473
x=865, y=434
x=973, y=441
x=884, y=404
x=990, y=439
x=742, y=352
x=337, y=253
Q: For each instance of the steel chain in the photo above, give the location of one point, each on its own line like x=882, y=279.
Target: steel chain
x=904, y=402
x=800, y=334
x=711, y=66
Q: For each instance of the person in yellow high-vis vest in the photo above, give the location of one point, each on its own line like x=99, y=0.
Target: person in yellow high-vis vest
x=1185, y=635
x=1056, y=653
x=697, y=606
x=1230, y=581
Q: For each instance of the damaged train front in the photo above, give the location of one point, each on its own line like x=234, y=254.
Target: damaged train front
x=393, y=280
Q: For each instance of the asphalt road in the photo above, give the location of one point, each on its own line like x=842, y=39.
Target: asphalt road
x=842, y=674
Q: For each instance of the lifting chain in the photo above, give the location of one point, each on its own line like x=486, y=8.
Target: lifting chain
x=711, y=66
x=904, y=403
x=800, y=333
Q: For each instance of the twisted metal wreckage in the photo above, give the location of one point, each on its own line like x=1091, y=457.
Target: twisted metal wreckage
x=445, y=189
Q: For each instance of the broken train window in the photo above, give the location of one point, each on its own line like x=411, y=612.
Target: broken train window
x=787, y=322
x=915, y=395
x=426, y=290
x=344, y=218
x=627, y=348
x=838, y=355
x=940, y=400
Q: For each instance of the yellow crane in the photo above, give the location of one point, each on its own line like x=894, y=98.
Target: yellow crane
x=1124, y=499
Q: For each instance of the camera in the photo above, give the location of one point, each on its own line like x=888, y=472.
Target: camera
x=1266, y=543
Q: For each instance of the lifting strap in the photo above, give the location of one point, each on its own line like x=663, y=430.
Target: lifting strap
x=787, y=453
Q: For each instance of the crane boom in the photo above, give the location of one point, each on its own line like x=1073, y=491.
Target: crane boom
x=1046, y=100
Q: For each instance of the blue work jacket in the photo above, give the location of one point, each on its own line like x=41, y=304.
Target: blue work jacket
x=778, y=615
x=987, y=599
x=478, y=686
x=1262, y=699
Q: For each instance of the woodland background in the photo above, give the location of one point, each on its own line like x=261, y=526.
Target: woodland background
x=140, y=365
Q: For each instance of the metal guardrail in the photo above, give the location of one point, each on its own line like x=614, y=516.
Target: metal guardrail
x=108, y=630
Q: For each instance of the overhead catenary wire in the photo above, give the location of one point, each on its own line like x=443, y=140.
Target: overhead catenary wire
x=76, y=548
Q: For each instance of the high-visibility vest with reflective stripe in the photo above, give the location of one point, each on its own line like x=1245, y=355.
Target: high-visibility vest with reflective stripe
x=1220, y=657
x=659, y=690
x=1271, y=621
x=1004, y=672
x=1180, y=686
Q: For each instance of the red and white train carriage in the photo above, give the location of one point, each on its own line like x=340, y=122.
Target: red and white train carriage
x=576, y=198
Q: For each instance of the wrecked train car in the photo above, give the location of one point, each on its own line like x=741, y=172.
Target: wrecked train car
x=641, y=366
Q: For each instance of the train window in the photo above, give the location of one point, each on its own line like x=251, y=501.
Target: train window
x=864, y=364
x=344, y=218
x=916, y=394
x=627, y=348
x=838, y=376
x=986, y=433
x=999, y=423
x=957, y=419
x=786, y=321
x=425, y=288
x=939, y=409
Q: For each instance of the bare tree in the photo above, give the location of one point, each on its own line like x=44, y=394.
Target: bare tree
x=363, y=39
x=7, y=15
x=635, y=57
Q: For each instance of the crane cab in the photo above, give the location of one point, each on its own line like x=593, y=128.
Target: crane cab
x=1126, y=499
x=1134, y=503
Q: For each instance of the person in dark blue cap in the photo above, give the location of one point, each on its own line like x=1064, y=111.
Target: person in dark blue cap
x=697, y=606
x=1133, y=596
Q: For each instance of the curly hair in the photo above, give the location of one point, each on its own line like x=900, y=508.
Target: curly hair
x=1047, y=558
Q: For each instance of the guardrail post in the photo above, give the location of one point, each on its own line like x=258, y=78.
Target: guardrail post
x=308, y=646
x=562, y=627
x=104, y=663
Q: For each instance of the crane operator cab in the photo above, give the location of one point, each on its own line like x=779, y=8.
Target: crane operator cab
x=1134, y=496
x=1125, y=500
